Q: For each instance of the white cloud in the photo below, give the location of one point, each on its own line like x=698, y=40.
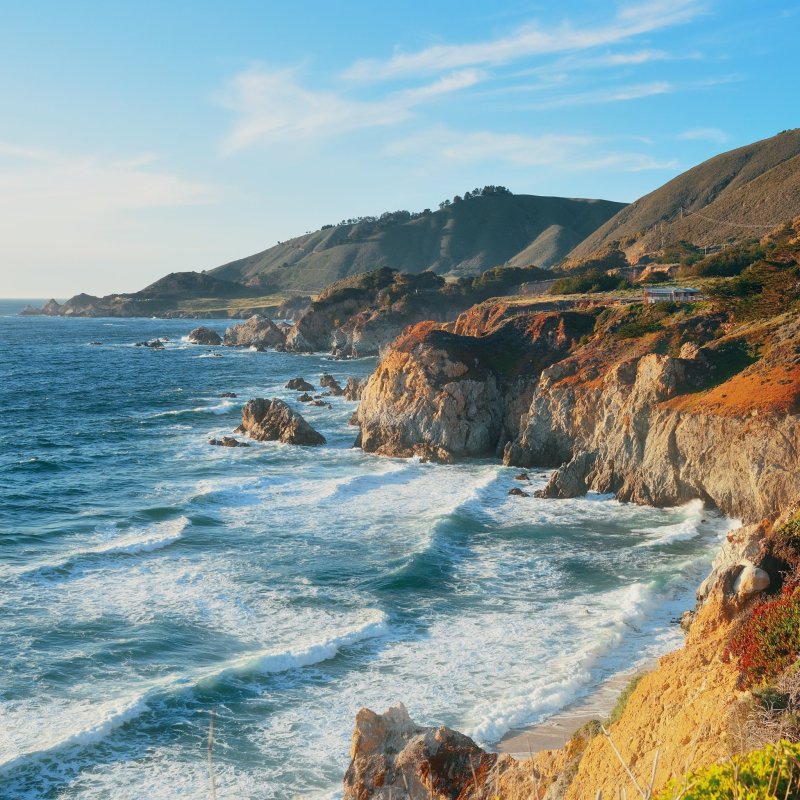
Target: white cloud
x=566, y=152
x=272, y=106
x=618, y=94
x=705, y=135
x=529, y=40
x=58, y=209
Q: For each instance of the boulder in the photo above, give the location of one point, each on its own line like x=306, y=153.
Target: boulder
x=257, y=331
x=203, y=335
x=523, y=476
x=305, y=398
x=751, y=580
x=156, y=344
x=517, y=492
x=273, y=420
x=228, y=394
x=300, y=385
x=327, y=381
x=392, y=757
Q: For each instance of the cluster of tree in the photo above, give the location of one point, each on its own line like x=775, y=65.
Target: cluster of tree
x=726, y=263
x=609, y=257
x=589, y=281
x=487, y=191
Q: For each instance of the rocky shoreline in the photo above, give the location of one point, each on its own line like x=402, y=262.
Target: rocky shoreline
x=656, y=411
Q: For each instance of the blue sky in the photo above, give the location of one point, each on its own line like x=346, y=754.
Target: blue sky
x=141, y=138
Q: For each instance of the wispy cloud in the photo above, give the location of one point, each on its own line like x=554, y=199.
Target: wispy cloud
x=705, y=135
x=67, y=209
x=272, y=106
x=615, y=94
x=571, y=152
x=531, y=39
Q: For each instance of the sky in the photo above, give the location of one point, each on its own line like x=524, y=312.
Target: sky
x=141, y=138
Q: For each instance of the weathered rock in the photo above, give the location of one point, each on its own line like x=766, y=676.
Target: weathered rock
x=463, y=393
x=305, y=398
x=751, y=580
x=203, y=335
x=155, y=344
x=228, y=441
x=257, y=331
x=299, y=385
x=353, y=418
x=522, y=476
x=743, y=545
x=327, y=381
x=228, y=394
x=271, y=420
x=517, y=492
x=391, y=757
x=354, y=388
x=620, y=433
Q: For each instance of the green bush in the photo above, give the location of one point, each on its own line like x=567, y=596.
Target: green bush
x=771, y=773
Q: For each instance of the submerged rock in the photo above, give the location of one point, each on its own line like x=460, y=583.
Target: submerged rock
x=327, y=381
x=155, y=344
x=300, y=385
x=228, y=394
x=228, y=441
x=391, y=756
x=517, y=492
x=203, y=335
x=273, y=420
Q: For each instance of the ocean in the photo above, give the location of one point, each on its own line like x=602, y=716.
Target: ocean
x=148, y=578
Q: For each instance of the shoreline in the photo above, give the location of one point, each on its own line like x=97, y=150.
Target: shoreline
x=554, y=732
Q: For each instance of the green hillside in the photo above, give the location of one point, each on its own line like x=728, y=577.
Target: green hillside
x=464, y=237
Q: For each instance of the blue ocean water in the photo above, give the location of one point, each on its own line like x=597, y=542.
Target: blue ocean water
x=147, y=578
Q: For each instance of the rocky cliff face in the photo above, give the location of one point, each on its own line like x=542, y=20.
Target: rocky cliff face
x=572, y=390
x=463, y=394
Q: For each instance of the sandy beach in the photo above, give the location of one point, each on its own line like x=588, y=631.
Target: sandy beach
x=556, y=731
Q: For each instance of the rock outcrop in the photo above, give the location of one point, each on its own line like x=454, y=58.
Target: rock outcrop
x=299, y=385
x=203, y=335
x=327, y=381
x=574, y=390
x=257, y=331
x=463, y=390
x=354, y=388
x=394, y=758
x=273, y=420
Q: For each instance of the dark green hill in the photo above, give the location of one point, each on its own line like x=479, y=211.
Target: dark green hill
x=733, y=196
x=463, y=238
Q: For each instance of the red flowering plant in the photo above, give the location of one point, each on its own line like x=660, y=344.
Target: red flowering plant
x=769, y=640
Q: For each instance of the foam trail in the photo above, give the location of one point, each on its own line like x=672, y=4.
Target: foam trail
x=165, y=534
x=154, y=537
x=677, y=532
x=105, y=718
x=269, y=661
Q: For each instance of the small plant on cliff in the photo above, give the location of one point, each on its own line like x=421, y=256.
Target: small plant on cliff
x=772, y=773
x=769, y=640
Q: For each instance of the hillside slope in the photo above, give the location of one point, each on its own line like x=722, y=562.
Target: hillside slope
x=730, y=197
x=465, y=238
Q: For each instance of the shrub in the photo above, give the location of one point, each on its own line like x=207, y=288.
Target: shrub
x=769, y=640
x=622, y=700
x=771, y=773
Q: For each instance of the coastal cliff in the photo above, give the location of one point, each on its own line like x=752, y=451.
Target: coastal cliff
x=613, y=412
x=658, y=404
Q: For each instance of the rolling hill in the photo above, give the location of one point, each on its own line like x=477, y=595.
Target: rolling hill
x=463, y=238
x=736, y=195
